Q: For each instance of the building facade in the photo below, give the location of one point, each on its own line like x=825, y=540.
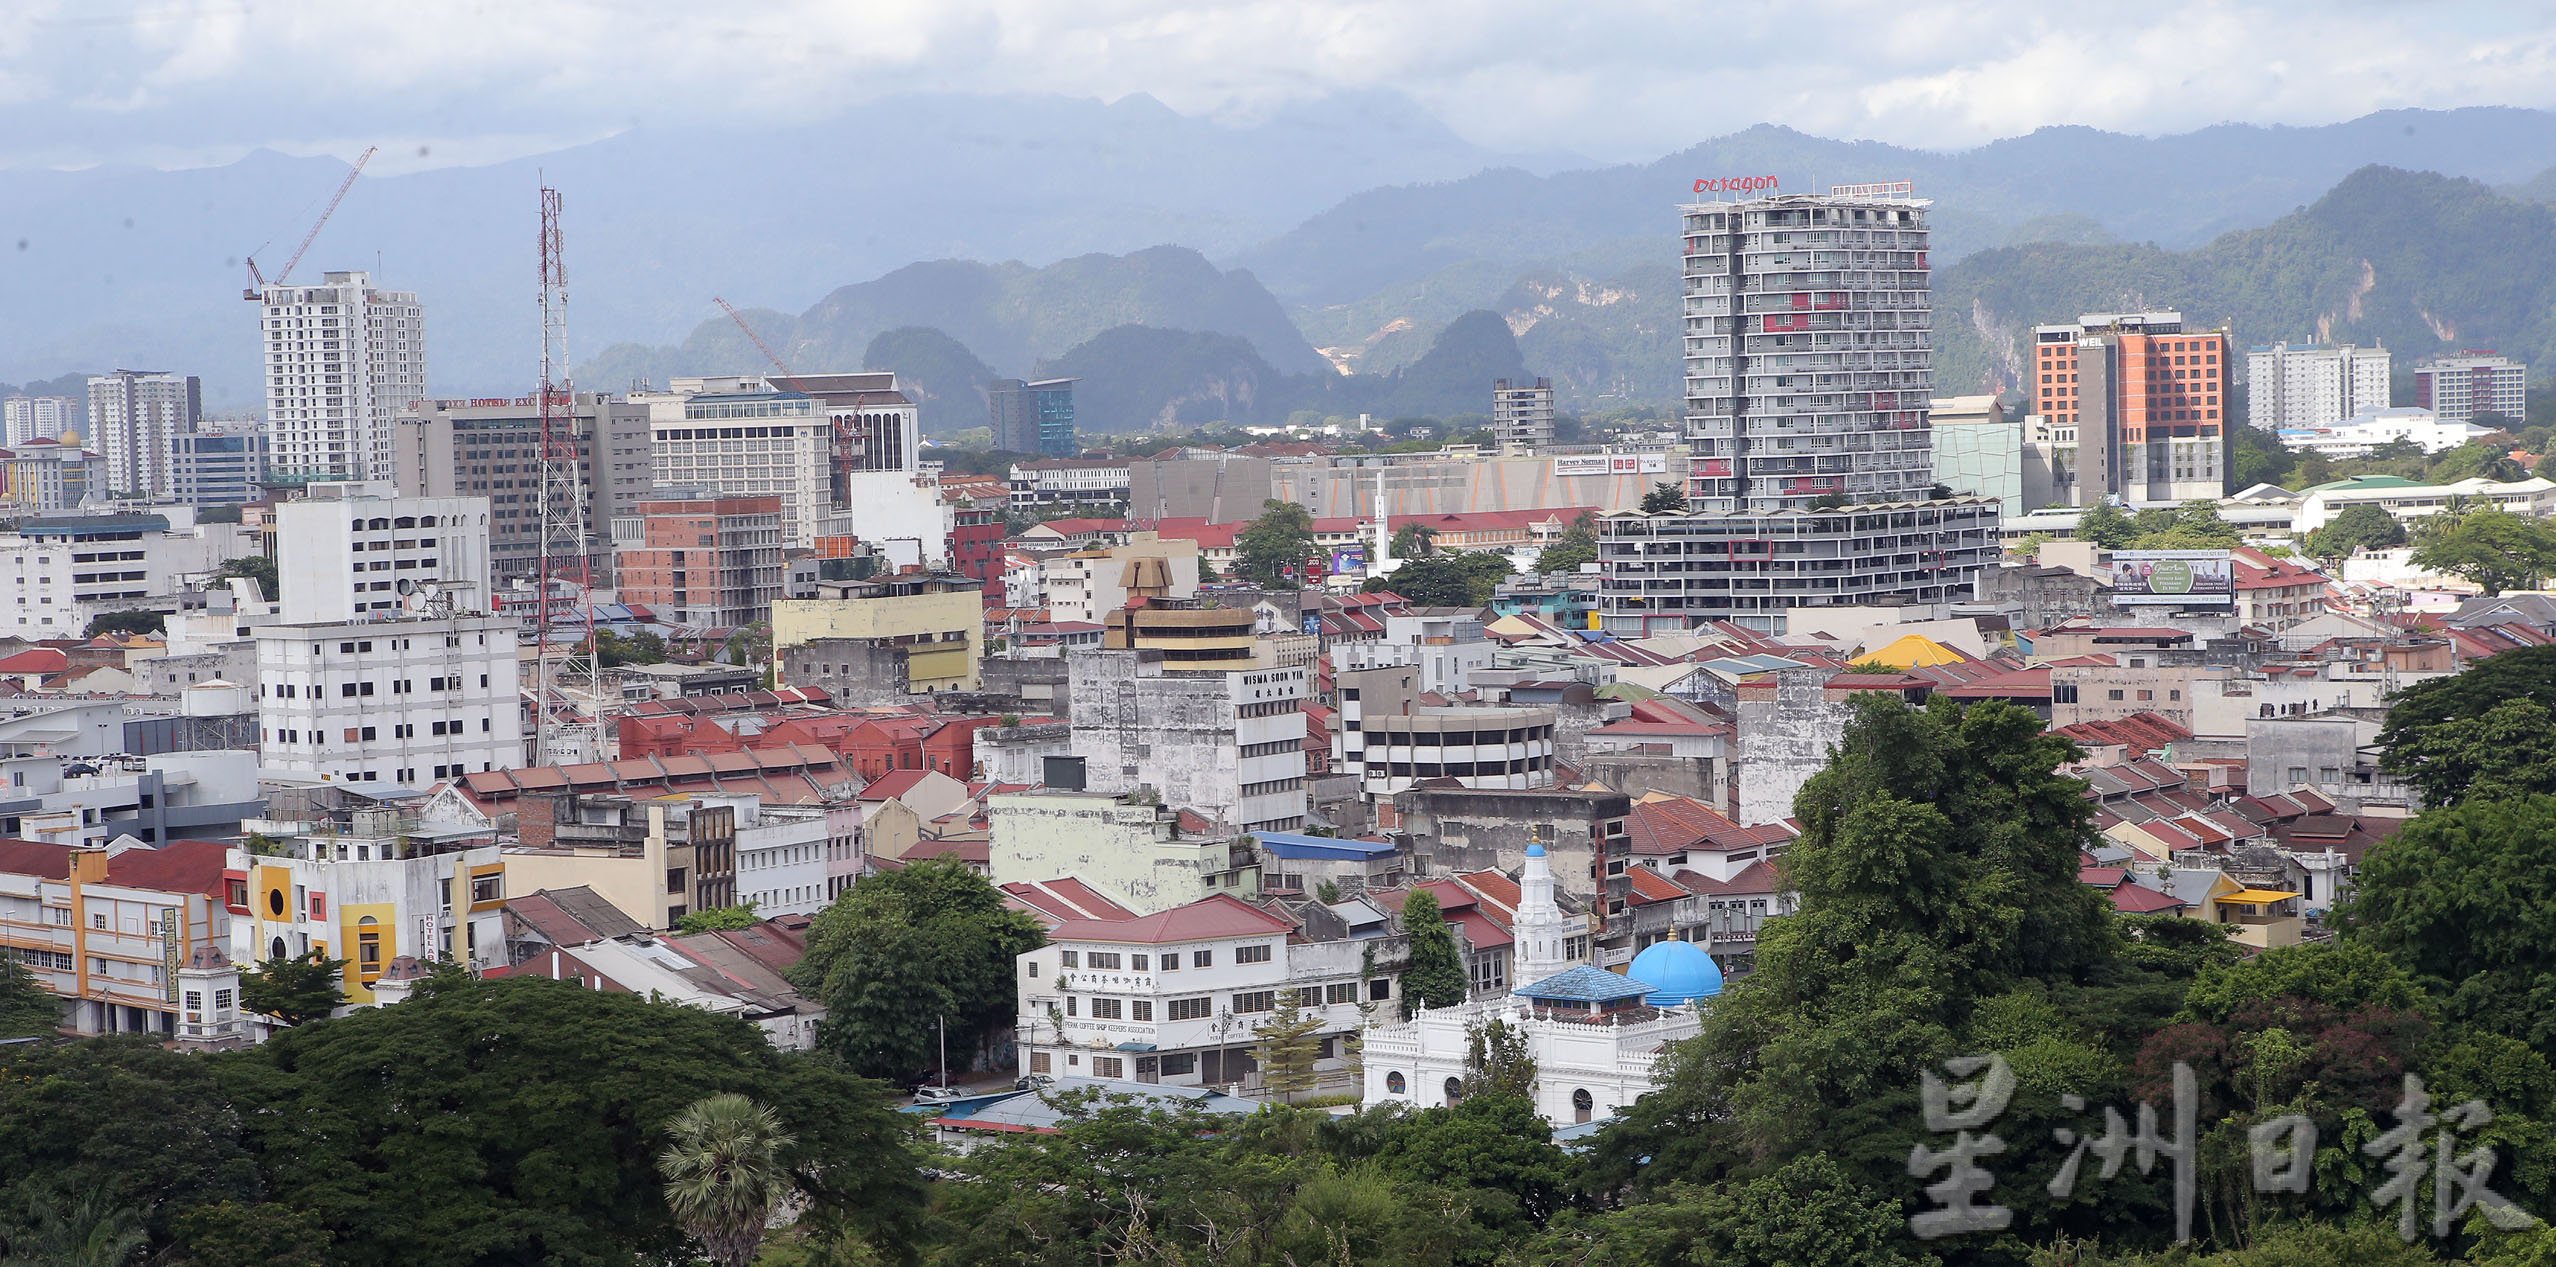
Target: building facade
x=2313, y=384
x=1125, y=846
x=43, y=476
x=1522, y=415
x=341, y=359
x=112, y=932
x=912, y=633
x=353, y=551
x=406, y=702
x=1033, y=417
x=373, y=890
x=133, y=417
x=217, y=468
x=2136, y=405
x=2460, y=387
x=491, y=448
x=24, y=418
x=1979, y=451
x=1808, y=374
x=700, y=559
x=1229, y=743
x=737, y=438
x=1178, y=997
x=1388, y=740
x=63, y=572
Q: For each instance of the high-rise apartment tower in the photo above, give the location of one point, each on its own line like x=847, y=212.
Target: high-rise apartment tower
x=341, y=359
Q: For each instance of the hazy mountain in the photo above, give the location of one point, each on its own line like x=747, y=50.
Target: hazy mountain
x=120, y=266
x=946, y=381
x=1010, y=315
x=2420, y=262
x=1133, y=378
x=2175, y=190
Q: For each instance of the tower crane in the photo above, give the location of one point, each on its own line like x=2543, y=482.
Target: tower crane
x=258, y=281
x=766, y=348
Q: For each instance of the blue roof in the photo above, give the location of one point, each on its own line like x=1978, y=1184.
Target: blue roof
x=1584, y=984
x=1678, y=972
x=92, y=525
x=1291, y=845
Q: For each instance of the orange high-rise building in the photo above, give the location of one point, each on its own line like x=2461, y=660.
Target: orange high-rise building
x=2143, y=401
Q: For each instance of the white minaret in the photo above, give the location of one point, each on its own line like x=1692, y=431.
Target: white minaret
x=1541, y=932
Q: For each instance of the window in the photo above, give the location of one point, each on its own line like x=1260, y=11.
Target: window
x=1069, y=958
x=1140, y=1010
x=1073, y=1006
x=1106, y=1010
x=1394, y=1083
x=487, y=888
x=1340, y=992
x=1104, y=959
x=1202, y=959
x=1188, y=1009
x=1038, y=1062
x=1171, y=962
x=1380, y=989
x=1109, y=1067
x=1251, y=954
x=1254, y=1002
x=1140, y=962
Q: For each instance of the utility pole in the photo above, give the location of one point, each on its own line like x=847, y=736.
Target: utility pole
x=561, y=504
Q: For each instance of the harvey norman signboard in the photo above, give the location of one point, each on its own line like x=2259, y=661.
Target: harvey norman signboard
x=1611, y=464
x=2173, y=578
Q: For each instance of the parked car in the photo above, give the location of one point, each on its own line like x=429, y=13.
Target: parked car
x=939, y=1095
x=1033, y=1082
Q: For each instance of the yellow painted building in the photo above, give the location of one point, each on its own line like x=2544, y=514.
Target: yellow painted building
x=923, y=632
x=369, y=895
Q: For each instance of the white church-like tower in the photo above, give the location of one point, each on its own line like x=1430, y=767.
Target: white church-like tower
x=1542, y=932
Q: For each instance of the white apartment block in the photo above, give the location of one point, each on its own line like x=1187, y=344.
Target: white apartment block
x=1069, y=480
x=1229, y=744
x=1444, y=647
x=2460, y=387
x=782, y=851
x=354, y=551
x=341, y=359
x=1178, y=998
x=402, y=702
x=1388, y=741
x=2310, y=385
x=24, y=418
x=746, y=443
x=133, y=417
x=61, y=573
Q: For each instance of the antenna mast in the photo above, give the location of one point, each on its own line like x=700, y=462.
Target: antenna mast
x=565, y=546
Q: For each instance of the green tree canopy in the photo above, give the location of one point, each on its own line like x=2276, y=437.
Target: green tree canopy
x=295, y=989
x=1414, y=541
x=2464, y=896
x=2192, y=526
x=2507, y=750
x=130, y=622
x=2415, y=712
x=1575, y=548
x=27, y=1008
x=1465, y=578
x=1273, y=551
x=904, y=950
x=144, y=1128
x=1664, y=496
x=717, y=918
x=724, y=1174
x=1435, y=975
x=1806, y=1213
x=2358, y=528
x=2492, y=547
x=521, y=1121
x=256, y=567
x=2106, y=526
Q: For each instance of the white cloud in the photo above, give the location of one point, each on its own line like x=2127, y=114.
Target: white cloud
x=142, y=79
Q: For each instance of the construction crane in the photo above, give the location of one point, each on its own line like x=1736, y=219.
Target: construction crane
x=768, y=353
x=258, y=281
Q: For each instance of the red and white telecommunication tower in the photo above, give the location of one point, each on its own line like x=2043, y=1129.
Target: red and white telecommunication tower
x=566, y=549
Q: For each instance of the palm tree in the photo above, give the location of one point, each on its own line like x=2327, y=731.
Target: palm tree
x=724, y=1175
x=88, y=1231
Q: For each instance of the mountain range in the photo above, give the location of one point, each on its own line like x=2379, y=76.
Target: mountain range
x=1340, y=241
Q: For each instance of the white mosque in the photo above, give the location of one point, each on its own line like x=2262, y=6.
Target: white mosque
x=1595, y=1035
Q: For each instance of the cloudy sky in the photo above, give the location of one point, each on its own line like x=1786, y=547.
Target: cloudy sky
x=187, y=82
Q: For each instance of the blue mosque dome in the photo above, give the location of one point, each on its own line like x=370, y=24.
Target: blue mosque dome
x=1677, y=972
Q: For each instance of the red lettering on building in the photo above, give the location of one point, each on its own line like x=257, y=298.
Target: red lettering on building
x=1735, y=184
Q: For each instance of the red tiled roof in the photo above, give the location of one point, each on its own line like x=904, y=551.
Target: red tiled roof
x=35, y=858
x=36, y=660
x=1670, y=825
x=1204, y=920
x=2133, y=898
x=1757, y=877
x=1649, y=887
x=1066, y=898
x=181, y=866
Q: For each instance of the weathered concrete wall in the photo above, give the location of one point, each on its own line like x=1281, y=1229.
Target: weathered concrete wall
x=1784, y=739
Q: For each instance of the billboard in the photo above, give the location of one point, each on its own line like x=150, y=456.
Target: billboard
x=1577, y=464
x=2173, y=578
